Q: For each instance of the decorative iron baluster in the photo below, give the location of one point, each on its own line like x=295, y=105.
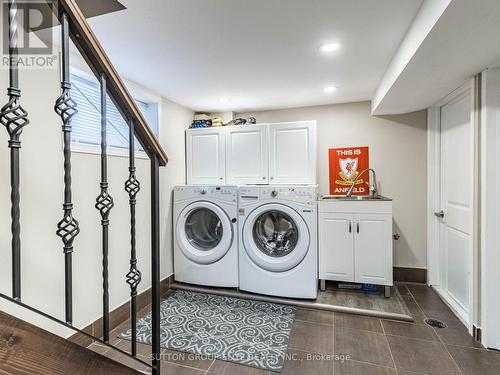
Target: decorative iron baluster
x=132, y=187
x=14, y=118
x=68, y=228
x=155, y=263
x=104, y=203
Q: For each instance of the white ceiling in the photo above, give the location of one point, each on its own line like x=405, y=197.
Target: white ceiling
x=464, y=41
x=259, y=54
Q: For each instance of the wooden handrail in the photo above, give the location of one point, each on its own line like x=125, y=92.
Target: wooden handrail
x=93, y=53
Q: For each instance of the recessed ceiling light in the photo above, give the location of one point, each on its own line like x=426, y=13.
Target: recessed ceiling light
x=330, y=89
x=330, y=47
x=224, y=101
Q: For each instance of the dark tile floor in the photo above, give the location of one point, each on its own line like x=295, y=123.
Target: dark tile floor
x=374, y=302
x=342, y=344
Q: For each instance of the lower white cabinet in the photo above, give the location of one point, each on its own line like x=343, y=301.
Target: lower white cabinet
x=355, y=241
x=373, y=249
x=336, y=243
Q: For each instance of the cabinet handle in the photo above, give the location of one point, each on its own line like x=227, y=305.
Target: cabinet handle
x=357, y=227
x=350, y=227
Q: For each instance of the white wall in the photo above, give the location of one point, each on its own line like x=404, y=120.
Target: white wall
x=176, y=120
x=398, y=153
x=41, y=205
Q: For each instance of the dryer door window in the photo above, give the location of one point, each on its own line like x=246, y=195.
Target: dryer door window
x=275, y=233
x=275, y=237
x=203, y=229
x=204, y=232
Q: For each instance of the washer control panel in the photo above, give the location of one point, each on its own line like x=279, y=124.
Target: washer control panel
x=303, y=194
x=226, y=193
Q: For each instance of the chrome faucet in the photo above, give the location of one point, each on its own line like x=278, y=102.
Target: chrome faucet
x=373, y=185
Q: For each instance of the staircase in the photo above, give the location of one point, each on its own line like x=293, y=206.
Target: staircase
x=24, y=348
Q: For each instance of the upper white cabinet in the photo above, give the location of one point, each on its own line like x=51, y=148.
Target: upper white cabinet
x=283, y=153
x=247, y=155
x=292, y=153
x=205, y=156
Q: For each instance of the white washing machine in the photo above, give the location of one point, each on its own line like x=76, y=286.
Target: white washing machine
x=277, y=240
x=205, y=235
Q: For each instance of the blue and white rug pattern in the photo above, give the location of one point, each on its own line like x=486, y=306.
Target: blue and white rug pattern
x=244, y=331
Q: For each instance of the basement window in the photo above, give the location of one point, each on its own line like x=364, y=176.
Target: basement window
x=86, y=124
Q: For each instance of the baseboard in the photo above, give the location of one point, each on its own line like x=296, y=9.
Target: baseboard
x=119, y=315
x=461, y=313
x=410, y=275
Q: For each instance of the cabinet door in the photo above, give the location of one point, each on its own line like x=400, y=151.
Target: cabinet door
x=292, y=153
x=246, y=155
x=336, y=247
x=373, y=248
x=205, y=157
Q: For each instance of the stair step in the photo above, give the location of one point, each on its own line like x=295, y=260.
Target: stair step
x=27, y=349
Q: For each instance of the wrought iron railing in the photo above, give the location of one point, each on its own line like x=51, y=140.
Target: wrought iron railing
x=14, y=118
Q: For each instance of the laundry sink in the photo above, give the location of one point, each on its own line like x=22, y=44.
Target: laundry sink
x=356, y=198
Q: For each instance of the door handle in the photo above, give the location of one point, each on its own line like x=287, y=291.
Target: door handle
x=350, y=227
x=357, y=227
x=439, y=214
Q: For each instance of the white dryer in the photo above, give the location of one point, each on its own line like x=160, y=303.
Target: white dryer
x=205, y=235
x=277, y=240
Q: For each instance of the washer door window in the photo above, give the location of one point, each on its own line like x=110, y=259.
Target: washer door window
x=275, y=237
x=275, y=233
x=204, y=232
x=203, y=228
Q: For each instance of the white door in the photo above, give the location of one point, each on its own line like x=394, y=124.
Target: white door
x=205, y=157
x=373, y=248
x=336, y=244
x=247, y=160
x=455, y=213
x=292, y=153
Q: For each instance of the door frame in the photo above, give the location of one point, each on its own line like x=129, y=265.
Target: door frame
x=490, y=203
x=434, y=178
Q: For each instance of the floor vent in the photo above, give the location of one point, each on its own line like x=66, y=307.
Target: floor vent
x=435, y=323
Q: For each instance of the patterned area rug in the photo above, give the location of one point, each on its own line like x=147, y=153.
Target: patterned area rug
x=237, y=330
